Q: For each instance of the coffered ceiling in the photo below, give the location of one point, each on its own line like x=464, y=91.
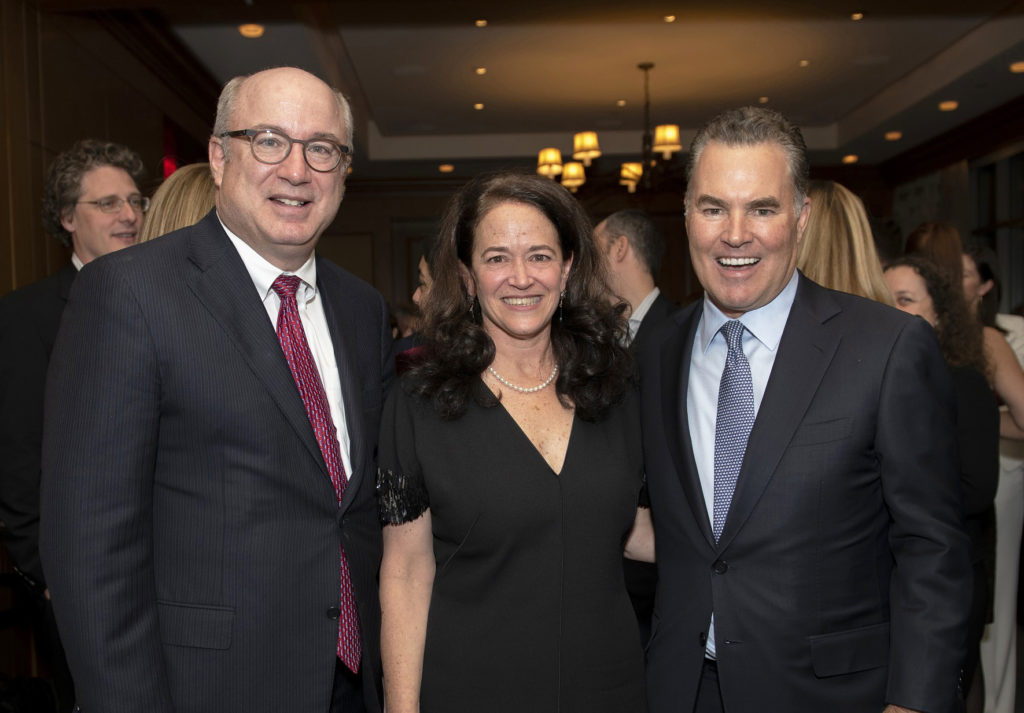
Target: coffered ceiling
x=556, y=67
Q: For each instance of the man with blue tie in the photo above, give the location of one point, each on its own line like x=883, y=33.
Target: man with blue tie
x=799, y=449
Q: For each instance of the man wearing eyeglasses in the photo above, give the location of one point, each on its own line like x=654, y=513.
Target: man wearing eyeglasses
x=209, y=520
x=92, y=205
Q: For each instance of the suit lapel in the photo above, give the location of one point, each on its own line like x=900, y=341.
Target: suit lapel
x=223, y=285
x=807, y=347
x=342, y=326
x=675, y=375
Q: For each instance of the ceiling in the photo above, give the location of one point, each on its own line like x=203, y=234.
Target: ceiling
x=562, y=66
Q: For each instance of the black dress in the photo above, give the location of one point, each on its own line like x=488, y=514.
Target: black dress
x=529, y=611
x=977, y=423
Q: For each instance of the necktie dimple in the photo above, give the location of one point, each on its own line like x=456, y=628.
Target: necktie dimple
x=733, y=423
x=300, y=361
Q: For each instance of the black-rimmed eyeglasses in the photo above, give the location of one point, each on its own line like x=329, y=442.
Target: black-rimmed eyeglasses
x=272, y=147
x=113, y=204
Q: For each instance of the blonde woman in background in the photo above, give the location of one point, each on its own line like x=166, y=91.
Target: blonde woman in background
x=181, y=200
x=837, y=249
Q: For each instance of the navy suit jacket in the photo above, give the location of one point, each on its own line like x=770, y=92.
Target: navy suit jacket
x=661, y=309
x=841, y=580
x=29, y=318
x=190, y=530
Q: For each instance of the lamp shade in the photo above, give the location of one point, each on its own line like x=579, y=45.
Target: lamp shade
x=549, y=162
x=585, y=147
x=573, y=175
x=630, y=174
x=666, y=140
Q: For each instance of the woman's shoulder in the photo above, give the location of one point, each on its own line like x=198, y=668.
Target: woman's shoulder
x=1013, y=330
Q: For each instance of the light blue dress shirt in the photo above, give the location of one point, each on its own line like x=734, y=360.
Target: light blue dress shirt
x=761, y=337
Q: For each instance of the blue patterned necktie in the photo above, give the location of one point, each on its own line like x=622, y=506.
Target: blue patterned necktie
x=733, y=424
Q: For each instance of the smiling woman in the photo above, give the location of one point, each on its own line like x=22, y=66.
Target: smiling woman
x=510, y=470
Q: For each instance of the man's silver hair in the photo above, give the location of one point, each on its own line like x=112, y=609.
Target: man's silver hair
x=750, y=126
x=229, y=99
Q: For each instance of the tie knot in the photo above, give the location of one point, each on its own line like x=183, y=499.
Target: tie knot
x=733, y=331
x=286, y=285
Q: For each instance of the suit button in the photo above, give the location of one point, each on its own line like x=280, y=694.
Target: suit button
x=333, y=613
x=703, y=639
x=720, y=567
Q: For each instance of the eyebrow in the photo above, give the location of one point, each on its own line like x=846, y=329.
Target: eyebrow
x=766, y=202
x=756, y=204
x=115, y=195
x=317, y=135
x=530, y=249
x=705, y=199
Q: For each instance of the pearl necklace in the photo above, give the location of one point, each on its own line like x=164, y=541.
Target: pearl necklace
x=523, y=389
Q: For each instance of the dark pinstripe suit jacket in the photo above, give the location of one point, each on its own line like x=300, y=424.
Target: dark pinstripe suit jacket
x=190, y=530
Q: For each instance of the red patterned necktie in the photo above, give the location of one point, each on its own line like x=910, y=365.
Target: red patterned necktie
x=300, y=360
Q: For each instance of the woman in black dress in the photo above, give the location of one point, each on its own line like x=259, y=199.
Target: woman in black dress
x=920, y=287
x=509, y=472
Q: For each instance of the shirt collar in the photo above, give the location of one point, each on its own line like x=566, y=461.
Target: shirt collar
x=644, y=307
x=77, y=261
x=765, y=323
x=263, y=273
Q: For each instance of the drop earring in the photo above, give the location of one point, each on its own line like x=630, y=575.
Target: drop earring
x=561, y=299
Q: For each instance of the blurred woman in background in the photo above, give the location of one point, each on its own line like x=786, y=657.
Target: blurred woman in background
x=837, y=249
x=940, y=244
x=181, y=200
x=999, y=644
x=920, y=287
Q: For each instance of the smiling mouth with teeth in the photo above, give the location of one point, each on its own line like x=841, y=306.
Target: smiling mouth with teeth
x=291, y=202
x=738, y=261
x=521, y=301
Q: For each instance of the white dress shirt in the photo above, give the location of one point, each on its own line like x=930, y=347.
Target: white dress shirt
x=314, y=323
x=762, y=333
x=637, y=316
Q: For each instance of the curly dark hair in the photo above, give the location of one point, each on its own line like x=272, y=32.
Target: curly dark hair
x=64, y=181
x=940, y=243
x=959, y=332
x=987, y=264
x=594, y=366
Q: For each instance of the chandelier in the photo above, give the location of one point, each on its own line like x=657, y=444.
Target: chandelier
x=664, y=139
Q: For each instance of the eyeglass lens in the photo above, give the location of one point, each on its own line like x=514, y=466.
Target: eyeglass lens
x=273, y=147
x=140, y=204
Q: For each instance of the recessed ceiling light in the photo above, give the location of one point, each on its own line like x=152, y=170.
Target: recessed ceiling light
x=762, y=100
x=251, y=30
x=446, y=168
x=949, y=105
x=893, y=135
x=478, y=106
x=481, y=71
x=850, y=158
x=857, y=16
x=1017, y=67
x=805, y=63
x=670, y=18
x=481, y=23
x=620, y=102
